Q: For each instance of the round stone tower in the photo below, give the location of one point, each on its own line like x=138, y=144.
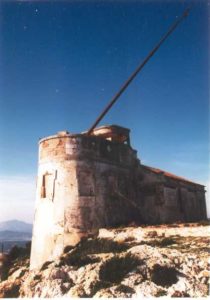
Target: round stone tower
x=80, y=187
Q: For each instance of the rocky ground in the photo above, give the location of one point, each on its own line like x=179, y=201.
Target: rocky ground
x=167, y=260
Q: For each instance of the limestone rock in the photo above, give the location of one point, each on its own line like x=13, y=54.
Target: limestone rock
x=127, y=265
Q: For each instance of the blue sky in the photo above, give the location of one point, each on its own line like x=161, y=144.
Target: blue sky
x=61, y=62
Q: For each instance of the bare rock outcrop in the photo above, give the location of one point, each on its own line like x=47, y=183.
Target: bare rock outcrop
x=125, y=262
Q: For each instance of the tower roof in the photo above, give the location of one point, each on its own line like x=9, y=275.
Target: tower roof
x=170, y=175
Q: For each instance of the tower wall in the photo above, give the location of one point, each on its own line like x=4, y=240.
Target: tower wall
x=82, y=182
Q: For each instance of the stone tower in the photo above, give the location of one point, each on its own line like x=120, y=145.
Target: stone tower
x=86, y=182
x=77, y=191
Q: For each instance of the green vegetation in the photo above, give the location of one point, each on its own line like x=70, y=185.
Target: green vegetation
x=93, y=246
x=82, y=253
x=115, y=269
x=163, y=275
x=17, y=257
x=45, y=265
x=19, y=252
x=161, y=293
x=161, y=242
x=77, y=260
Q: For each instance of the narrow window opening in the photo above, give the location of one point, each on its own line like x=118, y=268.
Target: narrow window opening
x=43, y=188
x=48, y=185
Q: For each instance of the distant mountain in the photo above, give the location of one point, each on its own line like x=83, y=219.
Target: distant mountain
x=16, y=226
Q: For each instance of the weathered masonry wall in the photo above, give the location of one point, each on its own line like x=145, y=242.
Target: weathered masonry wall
x=88, y=182
x=82, y=182
x=168, y=198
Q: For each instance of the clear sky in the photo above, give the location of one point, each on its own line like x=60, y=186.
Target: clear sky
x=61, y=61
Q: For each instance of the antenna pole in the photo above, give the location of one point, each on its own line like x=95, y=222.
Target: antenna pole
x=138, y=69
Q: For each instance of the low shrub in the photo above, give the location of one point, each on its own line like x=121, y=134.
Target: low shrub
x=77, y=260
x=115, y=269
x=45, y=265
x=160, y=242
x=163, y=275
x=94, y=246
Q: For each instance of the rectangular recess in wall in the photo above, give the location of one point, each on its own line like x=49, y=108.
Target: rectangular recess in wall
x=48, y=185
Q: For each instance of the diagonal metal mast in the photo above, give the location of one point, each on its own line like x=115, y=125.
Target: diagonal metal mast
x=138, y=69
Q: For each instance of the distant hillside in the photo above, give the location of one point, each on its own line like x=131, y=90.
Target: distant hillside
x=16, y=226
x=8, y=235
x=6, y=246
